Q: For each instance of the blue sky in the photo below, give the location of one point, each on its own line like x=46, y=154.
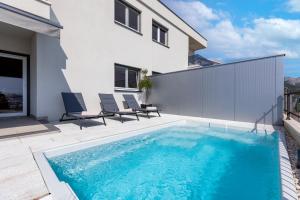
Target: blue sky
x=240, y=29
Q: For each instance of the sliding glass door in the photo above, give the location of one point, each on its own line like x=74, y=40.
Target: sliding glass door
x=13, y=85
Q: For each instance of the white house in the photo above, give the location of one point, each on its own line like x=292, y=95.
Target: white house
x=84, y=46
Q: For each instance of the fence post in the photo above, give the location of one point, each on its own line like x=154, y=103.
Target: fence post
x=288, y=106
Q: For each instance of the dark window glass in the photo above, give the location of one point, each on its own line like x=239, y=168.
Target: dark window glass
x=132, y=78
x=134, y=19
x=120, y=12
x=154, y=32
x=163, y=34
x=10, y=67
x=120, y=76
x=11, y=85
x=158, y=29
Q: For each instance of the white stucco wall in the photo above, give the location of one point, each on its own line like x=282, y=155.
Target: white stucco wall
x=15, y=44
x=33, y=76
x=159, y=8
x=83, y=59
x=37, y=7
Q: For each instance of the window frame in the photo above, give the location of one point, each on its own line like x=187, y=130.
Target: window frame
x=127, y=68
x=159, y=28
x=127, y=8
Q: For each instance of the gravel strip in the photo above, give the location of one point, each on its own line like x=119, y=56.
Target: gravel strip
x=292, y=147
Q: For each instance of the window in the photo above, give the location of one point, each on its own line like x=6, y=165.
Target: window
x=133, y=19
x=132, y=78
x=154, y=32
x=127, y=15
x=159, y=33
x=162, y=36
x=120, y=76
x=120, y=12
x=126, y=77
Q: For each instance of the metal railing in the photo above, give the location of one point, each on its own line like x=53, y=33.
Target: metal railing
x=292, y=104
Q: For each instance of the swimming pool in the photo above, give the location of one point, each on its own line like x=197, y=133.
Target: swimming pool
x=188, y=161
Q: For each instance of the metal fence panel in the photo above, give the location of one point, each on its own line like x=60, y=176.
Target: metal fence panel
x=249, y=91
x=255, y=91
x=217, y=92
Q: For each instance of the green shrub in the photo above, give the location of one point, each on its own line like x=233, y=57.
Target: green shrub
x=145, y=84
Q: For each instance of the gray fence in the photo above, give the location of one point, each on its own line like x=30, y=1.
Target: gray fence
x=249, y=91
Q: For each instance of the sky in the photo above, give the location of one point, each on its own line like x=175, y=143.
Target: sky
x=241, y=29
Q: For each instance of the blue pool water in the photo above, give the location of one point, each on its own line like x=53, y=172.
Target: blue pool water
x=179, y=162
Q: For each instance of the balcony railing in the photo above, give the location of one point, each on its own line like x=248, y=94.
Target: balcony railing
x=292, y=104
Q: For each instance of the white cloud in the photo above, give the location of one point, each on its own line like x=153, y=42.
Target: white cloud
x=277, y=28
x=195, y=12
x=260, y=37
x=293, y=5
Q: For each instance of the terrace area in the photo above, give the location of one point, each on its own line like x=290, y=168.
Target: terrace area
x=18, y=167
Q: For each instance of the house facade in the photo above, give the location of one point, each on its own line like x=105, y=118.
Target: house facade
x=73, y=46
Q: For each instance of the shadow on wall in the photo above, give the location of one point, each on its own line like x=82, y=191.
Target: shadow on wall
x=53, y=16
x=51, y=64
x=279, y=106
x=275, y=109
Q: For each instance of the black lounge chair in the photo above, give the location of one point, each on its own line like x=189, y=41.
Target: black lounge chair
x=133, y=104
x=74, y=106
x=109, y=106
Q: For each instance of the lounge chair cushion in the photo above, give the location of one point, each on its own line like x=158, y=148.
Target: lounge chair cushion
x=84, y=113
x=126, y=110
x=83, y=116
x=151, y=108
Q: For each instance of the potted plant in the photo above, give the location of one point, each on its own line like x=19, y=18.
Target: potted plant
x=145, y=84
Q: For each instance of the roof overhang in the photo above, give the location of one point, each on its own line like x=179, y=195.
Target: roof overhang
x=29, y=21
x=195, y=38
x=195, y=45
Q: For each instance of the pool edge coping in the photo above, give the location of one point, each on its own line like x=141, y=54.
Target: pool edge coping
x=288, y=185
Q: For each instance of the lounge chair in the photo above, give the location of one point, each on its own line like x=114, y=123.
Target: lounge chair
x=133, y=104
x=74, y=106
x=109, y=106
